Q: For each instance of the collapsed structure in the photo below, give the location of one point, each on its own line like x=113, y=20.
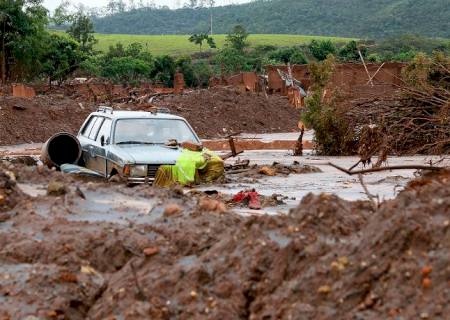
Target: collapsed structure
x=294, y=81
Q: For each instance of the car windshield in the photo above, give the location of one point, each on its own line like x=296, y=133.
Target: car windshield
x=152, y=131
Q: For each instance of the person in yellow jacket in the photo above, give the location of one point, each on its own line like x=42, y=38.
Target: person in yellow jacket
x=192, y=167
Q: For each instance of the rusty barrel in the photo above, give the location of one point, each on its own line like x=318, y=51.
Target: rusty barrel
x=61, y=148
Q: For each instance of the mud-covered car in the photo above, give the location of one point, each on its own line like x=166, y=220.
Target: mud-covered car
x=132, y=145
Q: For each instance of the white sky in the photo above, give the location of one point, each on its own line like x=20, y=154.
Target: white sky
x=52, y=4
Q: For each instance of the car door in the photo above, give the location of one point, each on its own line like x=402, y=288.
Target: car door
x=83, y=137
x=101, y=147
x=91, y=148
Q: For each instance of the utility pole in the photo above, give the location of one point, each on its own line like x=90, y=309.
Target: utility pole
x=211, y=22
x=211, y=5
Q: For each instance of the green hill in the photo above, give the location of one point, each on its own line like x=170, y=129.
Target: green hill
x=344, y=18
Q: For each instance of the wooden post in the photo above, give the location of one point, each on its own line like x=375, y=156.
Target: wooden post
x=298, y=150
x=365, y=67
x=376, y=72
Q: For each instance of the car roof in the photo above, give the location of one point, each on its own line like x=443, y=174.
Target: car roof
x=119, y=114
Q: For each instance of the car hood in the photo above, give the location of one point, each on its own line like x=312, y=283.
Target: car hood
x=146, y=154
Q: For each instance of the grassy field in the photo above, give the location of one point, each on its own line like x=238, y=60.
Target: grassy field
x=179, y=44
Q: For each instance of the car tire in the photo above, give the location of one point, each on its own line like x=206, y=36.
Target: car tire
x=116, y=178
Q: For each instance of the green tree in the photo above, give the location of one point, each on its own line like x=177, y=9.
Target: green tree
x=293, y=55
x=331, y=131
x=350, y=52
x=93, y=66
x=405, y=47
x=199, y=38
x=237, y=38
x=134, y=49
x=22, y=25
x=320, y=49
x=164, y=70
x=82, y=30
x=184, y=65
x=116, y=51
x=231, y=60
x=126, y=70
x=298, y=57
x=62, y=57
x=61, y=14
x=202, y=74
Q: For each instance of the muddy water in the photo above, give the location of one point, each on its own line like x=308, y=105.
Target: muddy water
x=110, y=205
x=384, y=185
x=102, y=205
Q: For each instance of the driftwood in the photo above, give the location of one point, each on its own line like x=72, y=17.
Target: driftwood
x=388, y=168
x=298, y=150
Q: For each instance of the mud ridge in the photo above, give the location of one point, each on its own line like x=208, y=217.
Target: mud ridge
x=327, y=258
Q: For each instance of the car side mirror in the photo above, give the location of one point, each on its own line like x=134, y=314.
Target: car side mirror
x=102, y=140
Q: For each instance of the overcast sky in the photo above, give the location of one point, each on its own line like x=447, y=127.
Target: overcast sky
x=52, y=4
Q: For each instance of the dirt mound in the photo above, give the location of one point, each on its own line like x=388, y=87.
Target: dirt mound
x=27, y=120
x=328, y=215
x=328, y=258
x=35, y=287
x=221, y=111
x=213, y=113
x=275, y=267
x=396, y=265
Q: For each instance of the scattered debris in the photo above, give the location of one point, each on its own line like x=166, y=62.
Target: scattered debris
x=151, y=251
x=56, y=188
x=267, y=171
x=250, y=198
x=9, y=193
x=172, y=209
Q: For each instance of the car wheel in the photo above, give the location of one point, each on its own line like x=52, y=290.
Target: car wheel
x=116, y=178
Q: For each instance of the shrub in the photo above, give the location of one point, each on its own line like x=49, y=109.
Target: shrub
x=350, y=52
x=291, y=55
x=62, y=57
x=405, y=47
x=331, y=132
x=298, y=57
x=321, y=49
x=184, y=65
x=231, y=60
x=373, y=57
x=202, y=73
x=126, y=69
x=164, y=70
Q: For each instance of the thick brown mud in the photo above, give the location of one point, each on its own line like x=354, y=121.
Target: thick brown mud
x=217, y=112
x=164, y=254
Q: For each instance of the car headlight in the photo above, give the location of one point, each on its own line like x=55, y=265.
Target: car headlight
x=138, y=171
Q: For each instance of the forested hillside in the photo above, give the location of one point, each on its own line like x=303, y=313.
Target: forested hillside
x=349, y=18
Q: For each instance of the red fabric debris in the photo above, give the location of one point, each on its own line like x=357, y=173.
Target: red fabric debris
x=251, y=197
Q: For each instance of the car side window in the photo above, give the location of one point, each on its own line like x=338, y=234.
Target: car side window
x=105, y=130
x=95, y=128
x=88, y=126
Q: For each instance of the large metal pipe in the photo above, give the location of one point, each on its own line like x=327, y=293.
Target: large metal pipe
x=61, y=148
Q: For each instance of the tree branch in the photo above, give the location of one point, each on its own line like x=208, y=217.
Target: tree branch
x=389, y=168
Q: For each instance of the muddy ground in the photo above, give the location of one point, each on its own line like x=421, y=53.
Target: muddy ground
x=162, y=254
x=213, y=113
x=222, y=111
